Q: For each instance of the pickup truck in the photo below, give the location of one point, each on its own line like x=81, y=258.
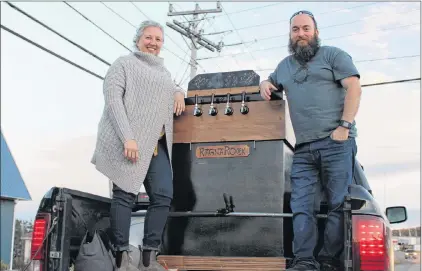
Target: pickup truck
x=64, y=215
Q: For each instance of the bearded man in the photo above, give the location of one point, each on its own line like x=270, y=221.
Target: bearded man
x=323, y=91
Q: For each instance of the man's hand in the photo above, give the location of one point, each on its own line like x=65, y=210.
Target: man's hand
x=131, y=150
x=179, y=103
x=265, y=88
x=340, y=134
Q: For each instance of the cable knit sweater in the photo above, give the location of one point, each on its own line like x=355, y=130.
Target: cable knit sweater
x=139, y=98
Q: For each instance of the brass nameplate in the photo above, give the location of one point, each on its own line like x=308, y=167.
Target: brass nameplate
x=223, y=151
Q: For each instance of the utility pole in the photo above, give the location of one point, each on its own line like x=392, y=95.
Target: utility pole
x=192, y=32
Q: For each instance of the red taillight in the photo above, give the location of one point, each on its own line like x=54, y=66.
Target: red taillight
x=369, y=239
x=41, y=225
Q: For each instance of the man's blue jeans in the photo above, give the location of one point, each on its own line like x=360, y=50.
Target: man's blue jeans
x=328, y=163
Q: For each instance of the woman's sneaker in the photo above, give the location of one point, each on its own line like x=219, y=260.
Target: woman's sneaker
x=148, y=262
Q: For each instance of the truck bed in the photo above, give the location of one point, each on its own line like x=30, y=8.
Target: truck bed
x=77, y=212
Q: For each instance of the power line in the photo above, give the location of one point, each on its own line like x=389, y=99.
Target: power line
x=134, y=26
x=286, y=20
x=392, y=82
x=193, y=21
x=137, y=8
x=330, y=26
x=116, y=13
x=183, y=76
x=57, y=33
x=183, y=60
x=86, y=18
x=366, y=60
x=181, y=65
x=237, y=32
x=249, y=9
x=187, y=52
x=165, y=34
x=192, y=32
x=330, y=38
x=102, y=78
x=51, y=52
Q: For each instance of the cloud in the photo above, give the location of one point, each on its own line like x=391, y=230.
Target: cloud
x=371, y=76
x=63, y=164
x=389, y=190
x=392, y=169
x=385, y=16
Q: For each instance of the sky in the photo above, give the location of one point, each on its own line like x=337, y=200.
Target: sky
x=50, y=109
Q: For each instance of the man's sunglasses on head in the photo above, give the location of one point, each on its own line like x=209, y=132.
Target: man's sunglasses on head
x=302, y=12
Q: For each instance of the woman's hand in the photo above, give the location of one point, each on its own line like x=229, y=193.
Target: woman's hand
x=131, y=150
x=179, y=103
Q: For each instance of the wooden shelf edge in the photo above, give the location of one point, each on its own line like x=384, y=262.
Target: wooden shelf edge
x=222, y=263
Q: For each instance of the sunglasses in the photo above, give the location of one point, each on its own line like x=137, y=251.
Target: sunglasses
x=302, y=12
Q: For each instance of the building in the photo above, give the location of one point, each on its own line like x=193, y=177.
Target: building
x=27, y=241
x=12, y=190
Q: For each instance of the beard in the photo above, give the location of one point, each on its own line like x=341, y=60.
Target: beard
x=304, y=53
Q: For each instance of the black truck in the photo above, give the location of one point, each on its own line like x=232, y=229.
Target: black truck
x=231, y=193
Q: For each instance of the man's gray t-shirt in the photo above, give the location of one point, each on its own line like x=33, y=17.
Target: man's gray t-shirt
x=314, y=93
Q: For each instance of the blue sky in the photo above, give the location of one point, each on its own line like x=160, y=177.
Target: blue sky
x=50, y=110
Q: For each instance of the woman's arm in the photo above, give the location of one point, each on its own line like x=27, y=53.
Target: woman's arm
x=179, y=100
x=114, y=89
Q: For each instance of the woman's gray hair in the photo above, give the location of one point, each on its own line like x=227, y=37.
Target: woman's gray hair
x=140, y=31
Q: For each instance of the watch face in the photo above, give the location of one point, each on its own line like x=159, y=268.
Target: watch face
x=345, y=124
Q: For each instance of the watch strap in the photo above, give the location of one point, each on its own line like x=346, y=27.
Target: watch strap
x=346, y=124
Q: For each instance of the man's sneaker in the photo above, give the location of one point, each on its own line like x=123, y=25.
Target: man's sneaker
x=330, y=266
x=304, y=265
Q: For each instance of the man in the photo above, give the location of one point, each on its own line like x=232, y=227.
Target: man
x=323, y=90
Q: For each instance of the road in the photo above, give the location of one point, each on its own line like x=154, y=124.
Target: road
x=406, y=265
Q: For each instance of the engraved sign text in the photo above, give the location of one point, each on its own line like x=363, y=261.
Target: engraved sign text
x=223, y=151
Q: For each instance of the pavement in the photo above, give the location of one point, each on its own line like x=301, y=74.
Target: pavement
x=406, y=265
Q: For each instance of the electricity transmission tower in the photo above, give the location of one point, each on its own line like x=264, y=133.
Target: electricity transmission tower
x=193, y=33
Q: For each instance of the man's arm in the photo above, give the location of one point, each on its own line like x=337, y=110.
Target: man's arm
x=352, y=99
x=346, y=73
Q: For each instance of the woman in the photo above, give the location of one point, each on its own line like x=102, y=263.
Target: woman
x=134, y=141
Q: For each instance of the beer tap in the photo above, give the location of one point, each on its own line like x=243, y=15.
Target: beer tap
x=197, y=111
x=213, y=110
x=229, y=110
x=244, y=109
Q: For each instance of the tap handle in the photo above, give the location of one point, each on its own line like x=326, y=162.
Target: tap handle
x=197, y=111
x=228, y=99
x=244, y=109
x=243, y=97
x=196, y=99
x=229, y=110
x=213, y=110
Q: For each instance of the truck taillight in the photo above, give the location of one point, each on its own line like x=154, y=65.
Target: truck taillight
x=369, y=243
x=41, y=226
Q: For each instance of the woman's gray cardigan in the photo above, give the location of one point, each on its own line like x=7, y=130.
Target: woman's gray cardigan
x=139, y=99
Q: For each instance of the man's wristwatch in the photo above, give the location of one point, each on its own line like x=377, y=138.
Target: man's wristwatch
x=346, y=124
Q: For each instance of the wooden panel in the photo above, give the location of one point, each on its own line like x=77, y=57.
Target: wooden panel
x=223, y=91
x=223, y=263
x=265, y=121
